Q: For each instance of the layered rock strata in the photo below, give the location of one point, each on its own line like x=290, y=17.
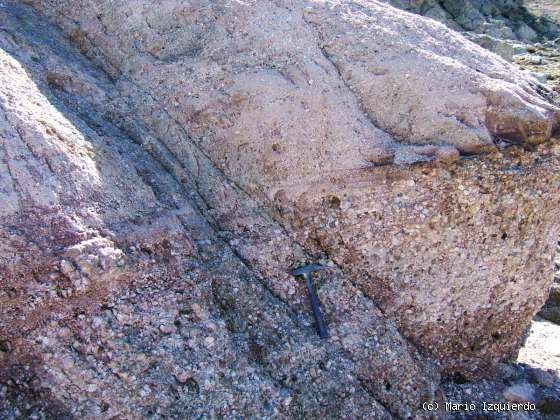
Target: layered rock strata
x=200, y=162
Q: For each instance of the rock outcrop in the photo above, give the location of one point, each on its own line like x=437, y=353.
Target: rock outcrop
x=551, y=311
x=499, y=19
x=504, y=27
x=162, y=176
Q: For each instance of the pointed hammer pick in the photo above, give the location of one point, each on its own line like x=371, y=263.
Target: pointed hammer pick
x=305, y=272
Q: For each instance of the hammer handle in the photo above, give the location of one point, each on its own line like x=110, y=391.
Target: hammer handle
x=319, y=320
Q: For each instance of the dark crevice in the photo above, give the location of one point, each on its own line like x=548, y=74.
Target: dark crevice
x=215, y=227
x=13, y=179
x=372, y=394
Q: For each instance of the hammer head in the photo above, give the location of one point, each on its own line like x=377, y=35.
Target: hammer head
x=309, y=268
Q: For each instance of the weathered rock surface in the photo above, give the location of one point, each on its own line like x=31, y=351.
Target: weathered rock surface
x=500, y=19
x=154, y=207
x=551, y=310
x=225, y=339
x=504, y=27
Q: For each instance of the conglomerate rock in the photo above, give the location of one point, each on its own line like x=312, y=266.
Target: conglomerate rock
x=153, y=207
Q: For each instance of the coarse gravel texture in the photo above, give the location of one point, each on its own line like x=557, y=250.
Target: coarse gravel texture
x=148, y=229
x=269, y=120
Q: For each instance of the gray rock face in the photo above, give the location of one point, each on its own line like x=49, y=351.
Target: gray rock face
x=503, y=27
x=180, y=182
x=496, y=18
x=551, y=310
x=520, y=393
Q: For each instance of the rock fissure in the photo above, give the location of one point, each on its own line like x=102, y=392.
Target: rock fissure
x=264, y=284
x=197, y=162
x=215, y=226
